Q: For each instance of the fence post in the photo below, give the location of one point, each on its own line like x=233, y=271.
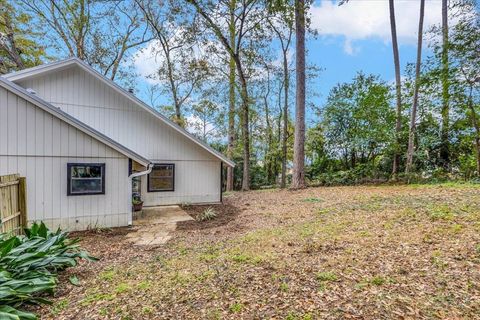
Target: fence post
x=22, y=202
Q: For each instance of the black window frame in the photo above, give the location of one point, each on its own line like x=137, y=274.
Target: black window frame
x=149, y=189
x=69, y=178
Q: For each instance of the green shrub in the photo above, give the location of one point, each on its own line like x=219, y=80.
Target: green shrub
x=28, y=267
x=208, y=214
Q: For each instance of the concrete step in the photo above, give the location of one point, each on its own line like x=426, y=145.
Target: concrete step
x=160, y=214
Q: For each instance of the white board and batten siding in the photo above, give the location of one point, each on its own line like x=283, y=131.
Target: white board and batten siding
x=75, y=91
x=37, y=145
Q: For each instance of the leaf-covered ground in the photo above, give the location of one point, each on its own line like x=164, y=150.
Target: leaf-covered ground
x=388, y=252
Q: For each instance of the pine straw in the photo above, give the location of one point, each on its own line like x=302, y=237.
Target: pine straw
x=383, y=252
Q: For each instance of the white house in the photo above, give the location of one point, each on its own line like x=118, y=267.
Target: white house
x=80, y=139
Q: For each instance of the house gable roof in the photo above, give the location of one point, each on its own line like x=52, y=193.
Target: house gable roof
x=58, y=113
x=64, y=64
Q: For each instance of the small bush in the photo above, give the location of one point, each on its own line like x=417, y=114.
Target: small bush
x=207, y=214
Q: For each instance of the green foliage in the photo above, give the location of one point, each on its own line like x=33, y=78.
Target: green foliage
x=9, y=313
x=358, y=119
x=19, y=47
x=28, y=267
x=353, y=142
x=207, y=214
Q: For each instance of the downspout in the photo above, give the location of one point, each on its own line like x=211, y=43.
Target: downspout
x=130, y=178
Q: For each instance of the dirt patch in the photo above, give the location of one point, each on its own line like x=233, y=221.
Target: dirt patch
x=226, y=212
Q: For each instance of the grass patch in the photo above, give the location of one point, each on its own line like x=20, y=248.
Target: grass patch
x=284, y=286
x=246, y=258
x=122, y=287
x=144, y=285
x=147, y=310
x=295, y=316
x=97, y=296
x=312, y=200
x=441, y=212
x=378, y=280
x=212, y=253
x=326, y=276
x=236, y=307
x=107, y=275
x=59, y=306
x=456, y=228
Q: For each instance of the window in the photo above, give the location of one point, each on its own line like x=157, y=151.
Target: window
x=86, y=178
x=162, y=178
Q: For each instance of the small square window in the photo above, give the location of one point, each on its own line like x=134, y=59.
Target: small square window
x=162, y=178
x=85, y=178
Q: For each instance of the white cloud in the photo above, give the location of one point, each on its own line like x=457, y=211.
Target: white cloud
x=147, y=61
x=349, y=48
x=370, y=19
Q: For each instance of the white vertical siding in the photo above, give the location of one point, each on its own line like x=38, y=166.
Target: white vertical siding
x=96, y=104
x=38, y=146
x=199, y=182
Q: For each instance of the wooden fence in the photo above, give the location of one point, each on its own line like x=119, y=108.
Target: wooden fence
x=13, y=203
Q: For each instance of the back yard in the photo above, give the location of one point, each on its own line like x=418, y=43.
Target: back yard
x=331, y=253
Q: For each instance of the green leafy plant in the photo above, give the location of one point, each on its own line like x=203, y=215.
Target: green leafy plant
x=29, y=266
x=208, y=214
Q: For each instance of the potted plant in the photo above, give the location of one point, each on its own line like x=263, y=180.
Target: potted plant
x=137, y=202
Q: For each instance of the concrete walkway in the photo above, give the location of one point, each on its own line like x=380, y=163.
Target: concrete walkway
x=155, y=225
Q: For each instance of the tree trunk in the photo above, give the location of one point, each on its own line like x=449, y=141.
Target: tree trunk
x=445, y=147
x=413, y=115
x=298, y=178
x=286, y=80
x=398, y=89
x=268, y=150
x=245, y=126
x=231, y=106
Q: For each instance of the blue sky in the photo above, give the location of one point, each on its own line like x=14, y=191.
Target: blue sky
x=356, y=37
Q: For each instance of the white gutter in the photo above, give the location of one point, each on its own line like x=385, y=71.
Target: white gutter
x=130, y=178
